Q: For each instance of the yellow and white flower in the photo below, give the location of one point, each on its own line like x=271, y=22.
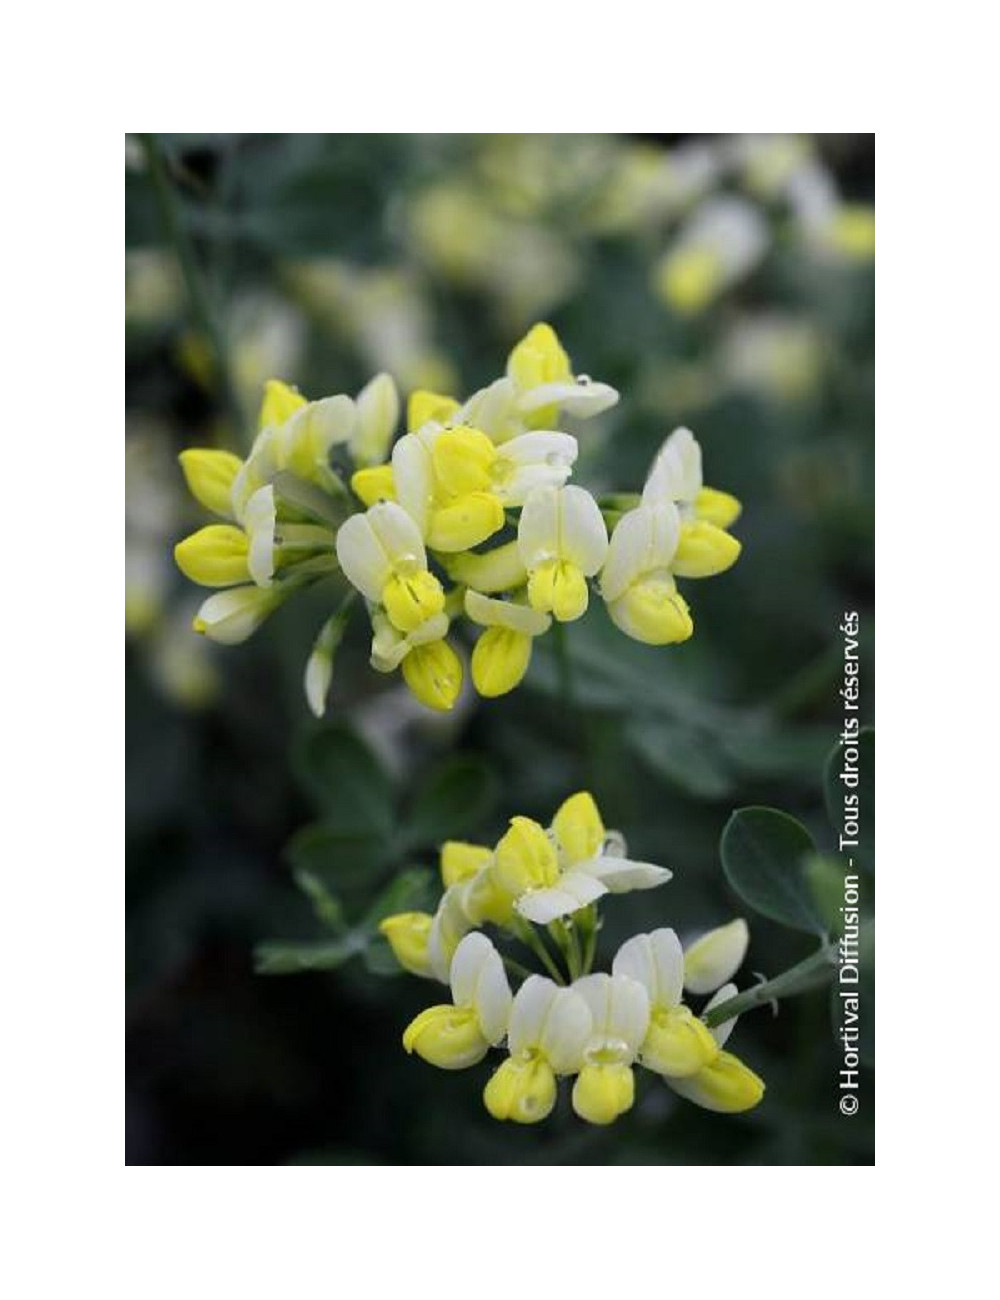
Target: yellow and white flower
x=619, y=1008
x=637, y=581
x=551, y=875
x=453, y=1037
x=430, y=667
x=376, y=417
x=502, y=654
x=457, y=484
x=677, y=1044
x=563, y=541
x=725, y=1085
x=549, y=1029
x=382, y=554
x=544, y=383
x=232, y=616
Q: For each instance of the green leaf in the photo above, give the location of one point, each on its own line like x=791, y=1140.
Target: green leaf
x=290, y=958
x=326, y=907
x=340, y=861
x=455, y=802
x=860, y=781
x=764, y=854
x=346, y=782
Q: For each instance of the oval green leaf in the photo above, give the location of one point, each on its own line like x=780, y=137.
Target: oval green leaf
x=764, y=855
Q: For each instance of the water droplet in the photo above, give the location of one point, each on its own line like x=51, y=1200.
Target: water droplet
x=583, y=379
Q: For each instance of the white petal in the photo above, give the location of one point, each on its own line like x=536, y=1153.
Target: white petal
x=575, y=890
x=538, y=528
x=566, y=1032
x=505, y=613
x=493, y=410
x=716, y=957
x=675, y=474
x=390, y=647
x=259, y=520
x=449, y=926
x=362, y=557
x=318, y=677
x=229, y=617
x=331, y=420
x=413, y=476
x=534, y=460
x=583, y=538
x=657, y=961
x=620, y=1008
x=478, y=980
x=399, y=535
x=621, y=875
x=377, y=417
x=580, y=399
x=721, y=1032
x=529, y=1013
x=644, y=540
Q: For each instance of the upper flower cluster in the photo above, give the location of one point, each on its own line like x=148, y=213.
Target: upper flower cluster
x=469, y=512
x=599, y=1025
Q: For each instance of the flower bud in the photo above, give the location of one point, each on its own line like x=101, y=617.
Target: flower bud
x=433, y=672
x=715, y=958
x=521, y=1090
x=408, y=934
x=215, y=556
x=210, y=476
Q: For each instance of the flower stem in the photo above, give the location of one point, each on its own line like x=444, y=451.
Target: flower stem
x=201, y=312
x=528, y=936
x=811, y=973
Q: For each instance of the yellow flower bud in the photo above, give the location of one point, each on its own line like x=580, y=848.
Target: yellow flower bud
x=446, y=1036
x=521, y=1090
x=578, y=827
x=433, y=672
x=538, y=359
x=560, y=589
x=603, y=1092
x=704, y=550
x=411, y=599
x=717, y=507
x=461, y=861
x=715, y=958
x=525, y=858
x=215, y=556
x=677, y=1043
x=280, y=403
x=424, y=406
x=500, y=660
x=210, y=475
x=408, y=933
x=374, y=484
x=463, y=459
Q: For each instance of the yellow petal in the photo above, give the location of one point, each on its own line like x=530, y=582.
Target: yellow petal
x=446, y=1036
x=525, y=858
x=462, y=460
x=603, y=1092
x=215, y=556
x=690, y=279
x=717, y=507
x=499, y=661
x=465, y=522
x=727, y=1086
x=560, y=589
x=578, y=828
x=433, y=672
x=461, y=861
x=653, y=611
x=539, y=358
x=281, y=401
x=521, y=1090
x=485, y=899
x=374, y=484
x=412, y=599
x=677, y=1044
x=704, y=550
x=210, y=475
x=408, y=933
x=490, y=572
x=424, y=406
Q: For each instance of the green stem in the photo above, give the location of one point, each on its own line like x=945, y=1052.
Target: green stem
x=814, y=971
x=590, y=927
x=201, y=312
x=564, y=664
x=532, y=940
x=564, y=933
x=516, y=968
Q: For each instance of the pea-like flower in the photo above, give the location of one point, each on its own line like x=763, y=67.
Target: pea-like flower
x=563, y=541
x=554, y=875
x=456, y=1036
x=502, y=654
x=550, y=1028
x=725, y=1084
x=714, y=959
x=619, y=1008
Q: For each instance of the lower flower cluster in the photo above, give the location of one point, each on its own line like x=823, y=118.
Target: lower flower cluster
x=540, y=887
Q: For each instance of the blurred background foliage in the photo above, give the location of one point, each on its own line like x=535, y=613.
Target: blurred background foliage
x=322, y=259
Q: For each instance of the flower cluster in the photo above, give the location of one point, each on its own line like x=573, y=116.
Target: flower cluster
x=469, y=512
x=596, y=1027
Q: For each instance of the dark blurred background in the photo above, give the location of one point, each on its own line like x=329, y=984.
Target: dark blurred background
x=322, y=259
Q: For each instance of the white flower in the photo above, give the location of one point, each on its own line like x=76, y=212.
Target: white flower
x=232, y=616
x=677, y=1044
x=454, y=1037
x=619, y=1006
x=637, y=581
x=549, y=1029
x=382, y=554
x=563, y=541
